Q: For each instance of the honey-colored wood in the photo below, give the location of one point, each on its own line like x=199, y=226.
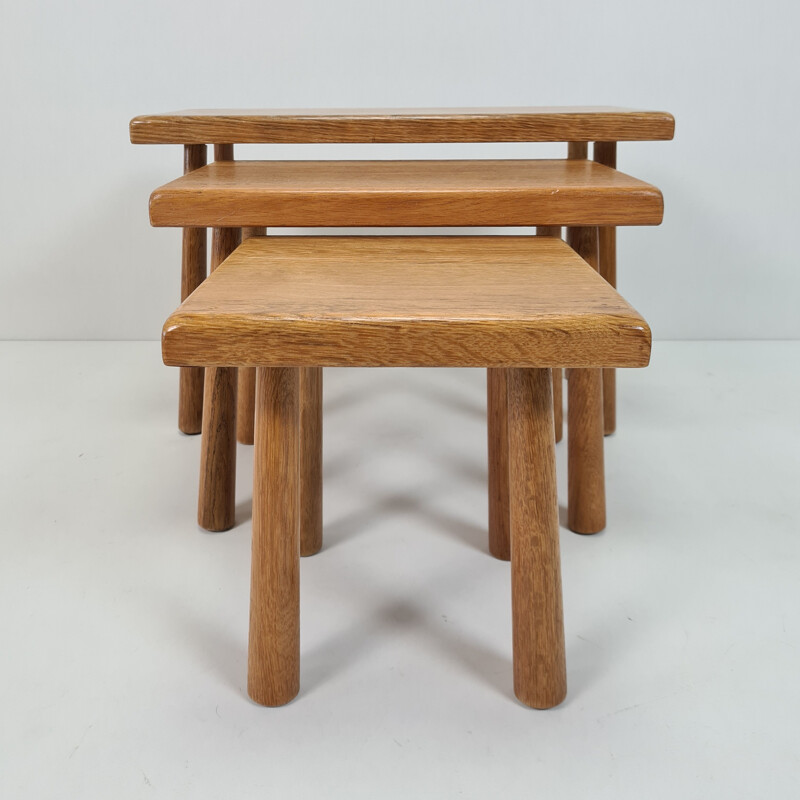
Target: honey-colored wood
x=216, y=499
x=497, y=416
x=577, y=151
x=540, y=675
x=223, y=152
x=485, y=301
x=558, y=378
x=310, y=460
x=246, y=394
x=273, y=662
x=586, y=508
x=544, y=124
x=193, y=273
x=217, y=495
x=245, y=405
x=406, y=193
x=606, y=153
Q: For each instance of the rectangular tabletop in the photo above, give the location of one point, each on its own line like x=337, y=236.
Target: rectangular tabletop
x=407, y=125
x=405, y=193
x=484, y=301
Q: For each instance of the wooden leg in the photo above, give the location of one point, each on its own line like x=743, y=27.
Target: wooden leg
x=245, y=405
x=607, y=253
x=558, y=403
x=246, y=395
x=216, y=508
x=499, y=538
x=273, y=663
x=217, y=497
x=558, y=400
x=606, y=153
x=310, y=460
x=586, y=504
x=540, y=673
x=193, y=273
x=586, y=495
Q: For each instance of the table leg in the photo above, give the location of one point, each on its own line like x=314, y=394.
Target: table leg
x=273, y=661
x=606, y=153
x=540, y=673
x=246, y=394
x=586, y=474
x=193, y=273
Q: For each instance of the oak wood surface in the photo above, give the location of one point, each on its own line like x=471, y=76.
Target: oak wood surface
x=606, y=153
x=540, y=676
x=310, y=460
x=558, y=377
x=246, y=393
x=273, y=662
x=487, y=301
x=577, y=151
x=586, y=505
x=193, y=273
x=406, y=193
x=217, y=495
x=497, y=419
x=519, y=124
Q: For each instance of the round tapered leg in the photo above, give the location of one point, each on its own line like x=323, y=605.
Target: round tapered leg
x=607, y=256
x=540, y=673
x=606, y=153
x=245, y=405
x=217, y=496
x=558, y=378
x=246, y=394
x=310, y=460
x=273, y=663
x=193, y=273
x=497, y=413
x=558, y=403
x=586, y=511
x=586, y=504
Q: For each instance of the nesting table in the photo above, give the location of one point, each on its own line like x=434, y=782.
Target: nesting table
x=241, y=200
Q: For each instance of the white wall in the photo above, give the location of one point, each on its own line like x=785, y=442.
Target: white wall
x=80, y=261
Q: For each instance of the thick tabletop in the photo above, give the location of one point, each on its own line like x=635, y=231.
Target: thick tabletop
x=488, y=301
x=402, y=193
x=543, y=124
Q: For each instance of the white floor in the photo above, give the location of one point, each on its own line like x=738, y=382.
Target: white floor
x=123, y=627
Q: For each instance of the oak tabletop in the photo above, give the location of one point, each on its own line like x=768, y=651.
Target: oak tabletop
x=405, y=193
x=483, y=301
x=402, y=125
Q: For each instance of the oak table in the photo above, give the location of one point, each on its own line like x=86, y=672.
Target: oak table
x=518, y=305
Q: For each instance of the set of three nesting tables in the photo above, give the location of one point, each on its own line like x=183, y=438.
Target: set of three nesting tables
x=252, y=338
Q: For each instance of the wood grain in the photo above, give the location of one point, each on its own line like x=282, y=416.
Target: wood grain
x=520, y=124
x=273, y=662
x=193, y=273
x=406, y=193
x=540, y=675
x=558, y=376
x=217, y=495
x=606, y=153
x=486, y=301
x=586, y=508
x=246, y=394
x=577, y=151
x=310, y=460
x=497, y=417
x=216, y=500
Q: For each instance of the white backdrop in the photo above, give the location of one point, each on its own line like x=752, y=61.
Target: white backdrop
x=81, y=262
